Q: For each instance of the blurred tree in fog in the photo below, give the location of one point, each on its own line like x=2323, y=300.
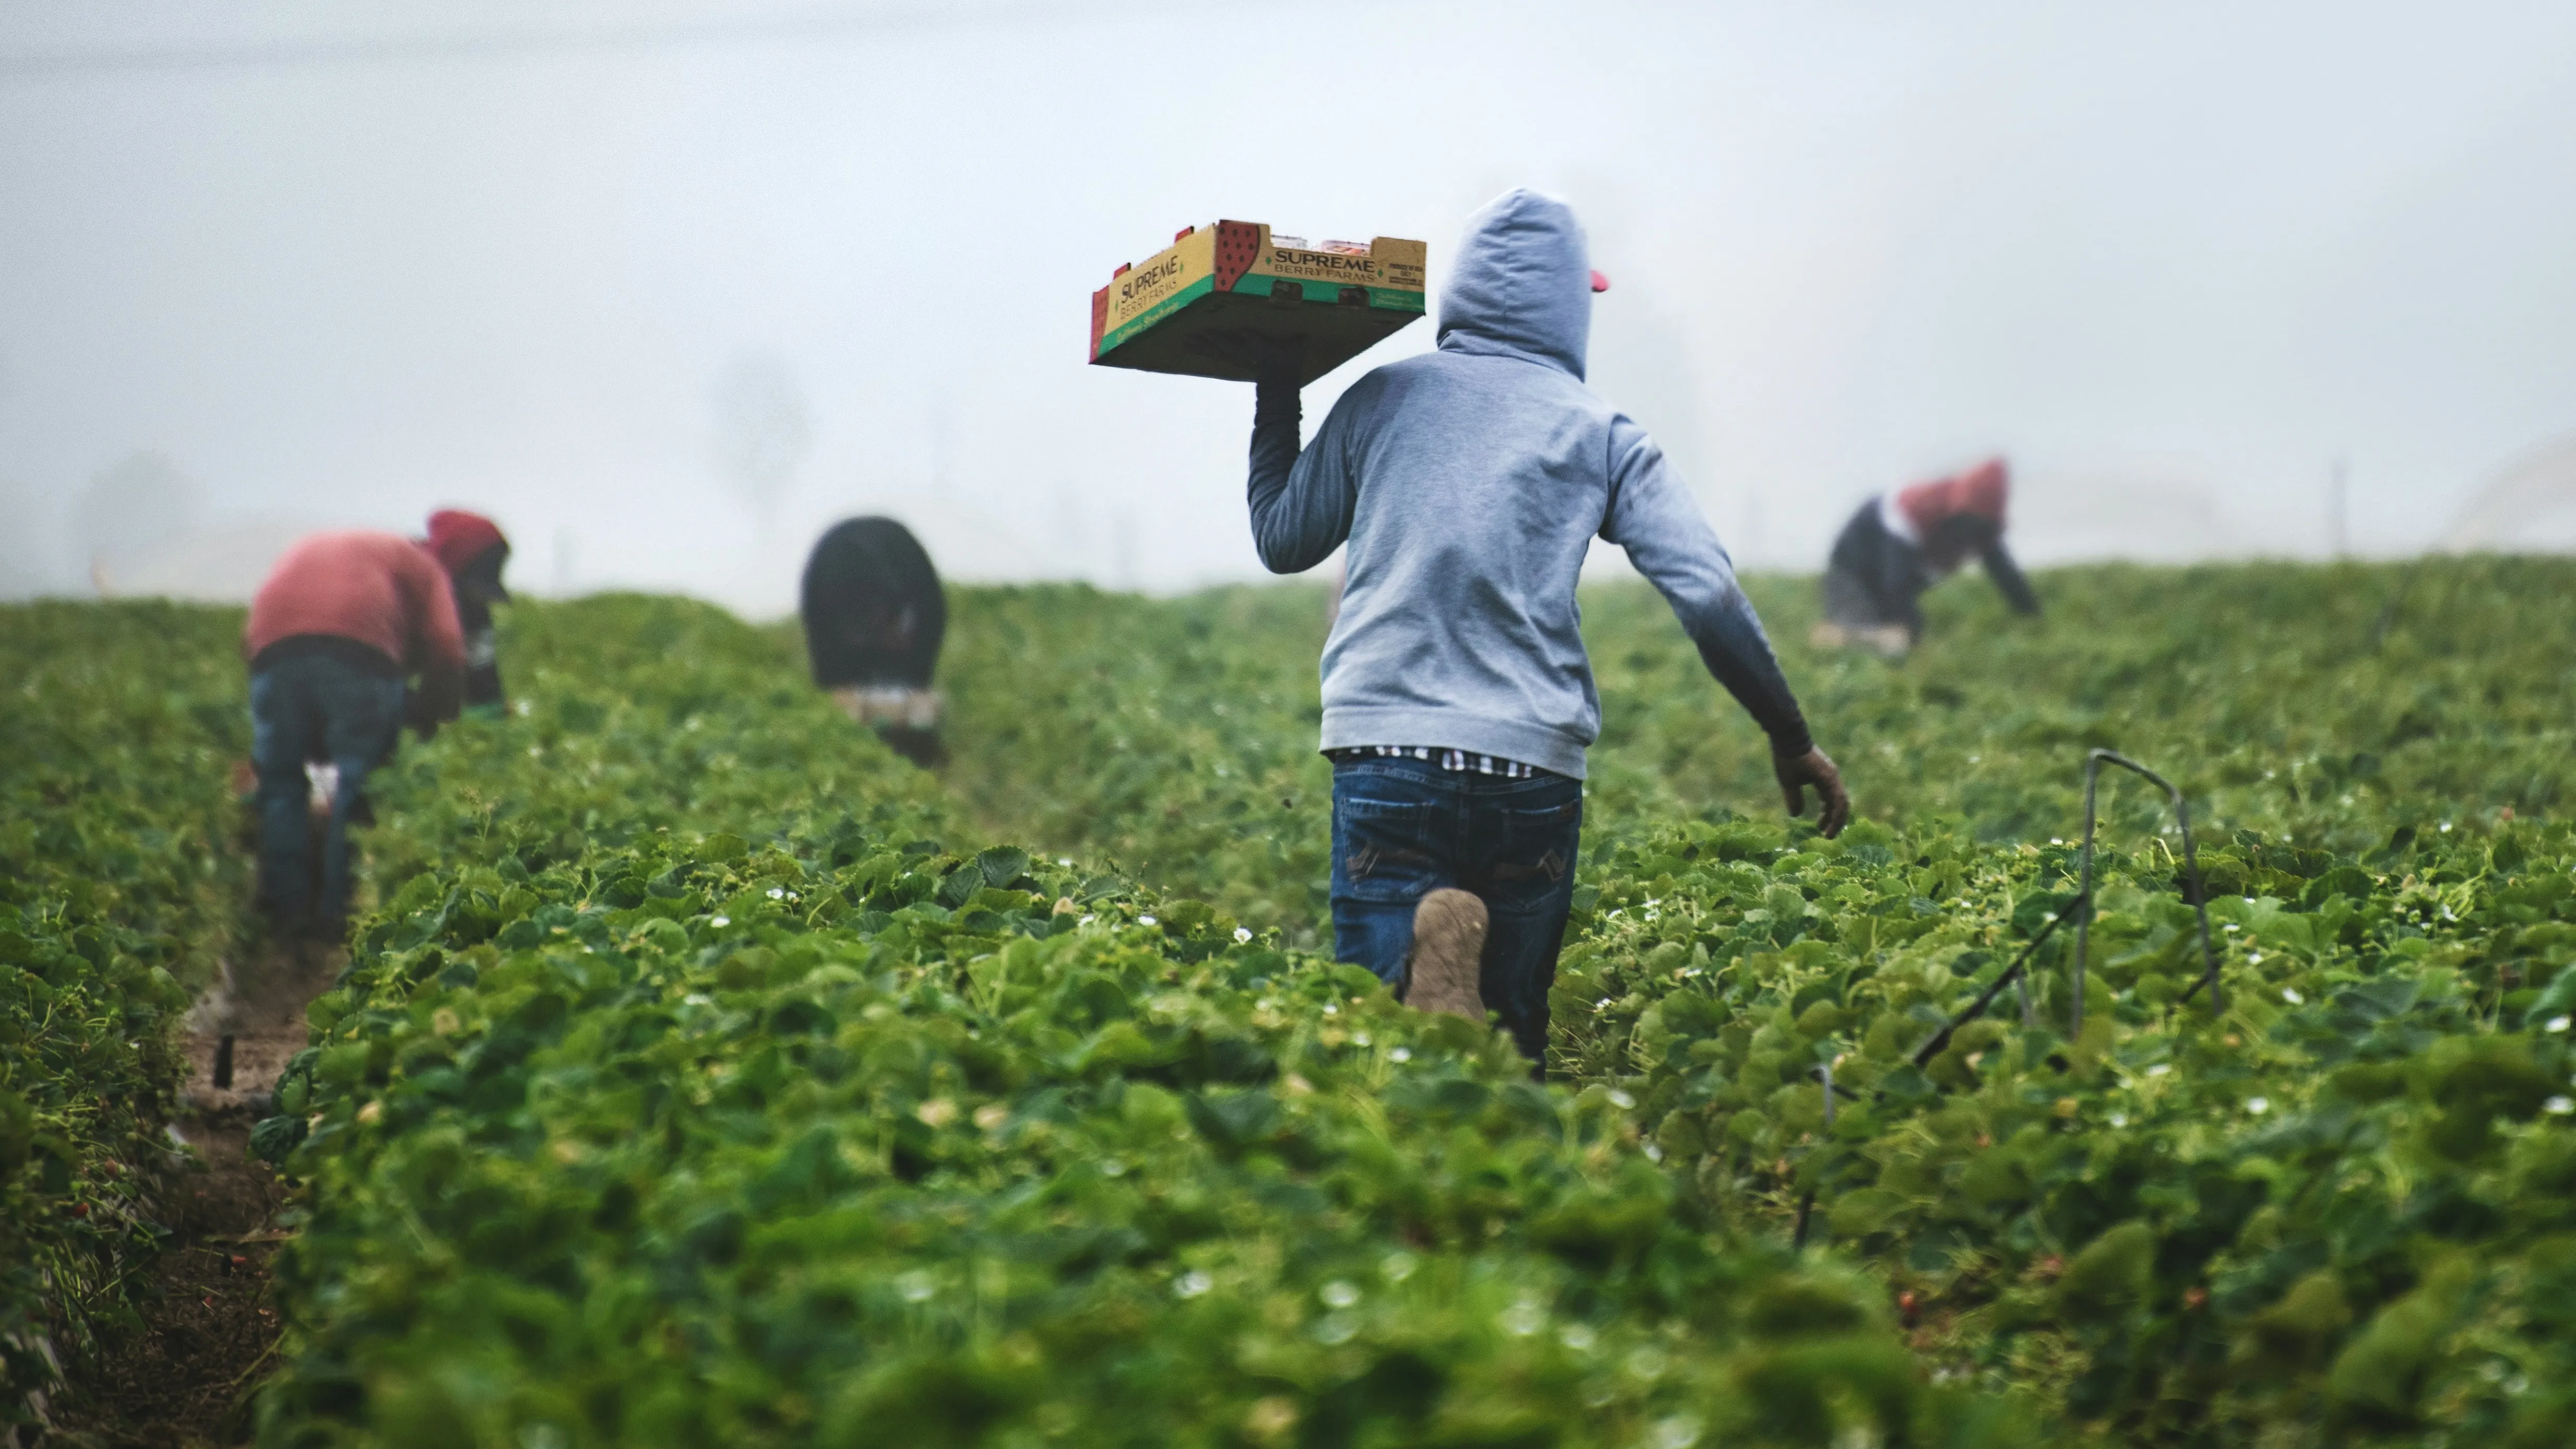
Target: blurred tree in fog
x=762, y=430
x=125, y=510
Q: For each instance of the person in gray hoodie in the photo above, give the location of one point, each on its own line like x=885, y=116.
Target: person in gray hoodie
x=1458, y=700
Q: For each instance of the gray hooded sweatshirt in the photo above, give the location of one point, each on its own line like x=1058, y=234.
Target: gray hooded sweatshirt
x=1469, y=482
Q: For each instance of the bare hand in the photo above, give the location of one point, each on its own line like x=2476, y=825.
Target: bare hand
x=1816, y=768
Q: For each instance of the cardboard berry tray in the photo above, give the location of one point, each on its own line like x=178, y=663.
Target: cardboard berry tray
x=1221, y=297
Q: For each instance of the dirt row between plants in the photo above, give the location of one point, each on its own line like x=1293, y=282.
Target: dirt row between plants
x=209, y=1330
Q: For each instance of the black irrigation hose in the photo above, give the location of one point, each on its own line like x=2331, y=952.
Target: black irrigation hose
x=1925, y=1053
x=2093, y=764
x=2018, y=975
x=1986, y=998
x=1807, y=1201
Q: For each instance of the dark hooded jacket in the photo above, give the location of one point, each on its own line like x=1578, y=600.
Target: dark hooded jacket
x=874, y=613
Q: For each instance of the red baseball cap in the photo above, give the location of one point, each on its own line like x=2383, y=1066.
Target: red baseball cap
x=457, y=538
x=1981, y=490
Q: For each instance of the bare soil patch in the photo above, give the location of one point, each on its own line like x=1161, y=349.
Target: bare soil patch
x=185, y=1380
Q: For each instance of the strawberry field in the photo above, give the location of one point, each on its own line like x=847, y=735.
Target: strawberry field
x=120, y=889
x=706, y=1075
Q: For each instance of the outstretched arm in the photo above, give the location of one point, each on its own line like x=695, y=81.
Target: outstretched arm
x=437, y=700
x=1661, y=528
x=1301, y=502
x=2008, y=578
x=435, y=647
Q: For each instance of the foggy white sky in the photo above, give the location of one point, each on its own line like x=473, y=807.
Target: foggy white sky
x=343, y=264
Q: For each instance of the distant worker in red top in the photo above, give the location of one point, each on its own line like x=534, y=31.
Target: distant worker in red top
x=344, y=619
x=1904, y=542
x=473, y=551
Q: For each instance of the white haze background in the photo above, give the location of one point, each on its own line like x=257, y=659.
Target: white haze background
x=667, y=288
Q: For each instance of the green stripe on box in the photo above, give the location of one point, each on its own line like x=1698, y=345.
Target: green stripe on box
x=1159, y=311
x=1394, y=299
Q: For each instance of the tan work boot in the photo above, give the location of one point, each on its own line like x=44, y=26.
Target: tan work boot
x=1448, y=955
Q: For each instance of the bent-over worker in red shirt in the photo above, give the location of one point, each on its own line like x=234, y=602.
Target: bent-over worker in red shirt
x=1902, y=543
x=344, y=619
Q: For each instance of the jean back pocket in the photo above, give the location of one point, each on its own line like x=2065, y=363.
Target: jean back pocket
x=1385, y=850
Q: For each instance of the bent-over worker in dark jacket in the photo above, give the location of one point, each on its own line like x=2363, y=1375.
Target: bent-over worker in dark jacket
x=1458, y=700
x=874, y=618
x=341, y=622
x=1902, y=543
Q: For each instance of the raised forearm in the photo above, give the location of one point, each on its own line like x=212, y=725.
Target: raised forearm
x=1298, y=518
x=1277, y=412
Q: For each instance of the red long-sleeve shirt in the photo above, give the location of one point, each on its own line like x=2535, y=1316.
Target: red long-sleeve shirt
x=380, y=589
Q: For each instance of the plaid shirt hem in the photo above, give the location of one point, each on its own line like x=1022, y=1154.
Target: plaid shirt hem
x=1461, y=761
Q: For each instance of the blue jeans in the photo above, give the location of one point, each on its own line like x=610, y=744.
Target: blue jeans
x=1404, y=828
x=314, y=707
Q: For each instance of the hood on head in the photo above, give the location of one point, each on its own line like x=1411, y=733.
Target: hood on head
x=1982, y=490
x=1979, y=493
x=1522, y=284
x=458, y=539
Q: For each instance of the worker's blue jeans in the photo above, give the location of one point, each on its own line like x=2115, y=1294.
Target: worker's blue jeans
x=1403, y=828
x=321, y=708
